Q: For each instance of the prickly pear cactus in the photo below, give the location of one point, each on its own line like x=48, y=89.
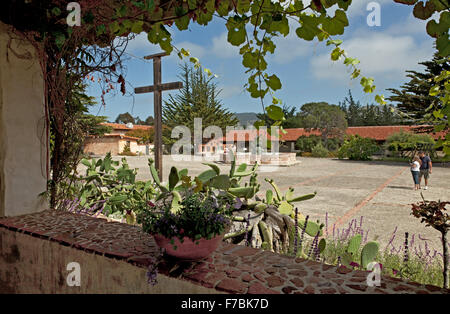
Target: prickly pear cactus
x=354, y=244
x=368, y=253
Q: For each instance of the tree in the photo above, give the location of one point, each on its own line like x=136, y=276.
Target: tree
x=145, y=136
x=352, y=110
x=125, y=118
x=358, y=148
x=407, y=143
x=93, y=125
x=149, y=121
x=413, y=98
x=289, y=115
x=368, y=115
x=197, y=99
x=329, y=119
x=107, y=25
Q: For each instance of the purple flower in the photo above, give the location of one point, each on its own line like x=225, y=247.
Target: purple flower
x=296, y=232
x=238, y=203
x=246, y=230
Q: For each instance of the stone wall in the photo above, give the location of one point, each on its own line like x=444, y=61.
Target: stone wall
x=114, y=258
x=23, y=140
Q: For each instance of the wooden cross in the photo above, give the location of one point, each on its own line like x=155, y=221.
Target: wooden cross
x=157, y=89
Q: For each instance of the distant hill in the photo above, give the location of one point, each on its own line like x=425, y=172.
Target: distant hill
x=246, y=118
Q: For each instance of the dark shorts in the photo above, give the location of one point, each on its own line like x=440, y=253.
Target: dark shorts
x=415, y=175
x=425, y=173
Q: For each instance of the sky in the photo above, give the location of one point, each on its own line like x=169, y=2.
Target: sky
x=305, y=68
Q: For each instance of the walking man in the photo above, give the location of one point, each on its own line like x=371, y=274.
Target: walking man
x=425, y=168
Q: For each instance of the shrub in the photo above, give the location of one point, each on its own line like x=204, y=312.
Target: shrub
x=319, y=151
x=127, y=151
x=307, y=143
x=402, y=142
x=358, y=148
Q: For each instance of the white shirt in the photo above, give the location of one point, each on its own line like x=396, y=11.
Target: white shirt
x=415, y=166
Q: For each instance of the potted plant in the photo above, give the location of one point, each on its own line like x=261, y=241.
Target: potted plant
x=187, y=219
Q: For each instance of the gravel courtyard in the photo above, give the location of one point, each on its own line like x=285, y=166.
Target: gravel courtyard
x=380, y=192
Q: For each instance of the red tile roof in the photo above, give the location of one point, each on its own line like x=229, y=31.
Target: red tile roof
x=244, y=135
x=120, y=126
x=121, y=136
x=379, y=133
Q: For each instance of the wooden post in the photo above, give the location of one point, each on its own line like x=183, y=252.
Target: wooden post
x=157, y=104
x=157, y=88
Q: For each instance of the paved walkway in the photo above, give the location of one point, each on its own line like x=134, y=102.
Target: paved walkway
x=380, y=192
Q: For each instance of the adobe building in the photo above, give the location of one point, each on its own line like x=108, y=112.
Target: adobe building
x=241, y=140
x=117, y=140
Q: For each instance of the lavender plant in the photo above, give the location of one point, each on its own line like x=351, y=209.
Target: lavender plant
x=434, y=214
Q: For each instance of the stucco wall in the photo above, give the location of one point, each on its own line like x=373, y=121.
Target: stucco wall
x=102, y=145
x=31, y=265
x=22, y=128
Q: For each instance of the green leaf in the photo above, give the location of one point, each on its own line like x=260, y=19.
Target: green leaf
x=424, y=12
x=213, y=166
x=312, y=228
x=302, y=198
x=322, y=245
x=250, y=60
x=336, y=53
x=173, y=178
x=206, y=175
x=275, y=112
x=182, y=22
x=236, y=31
x=269, y=197
x=137, y=27
x=56, y=11
x=285, y=208
x=309, y=28
x=243, y=6
x=60, y=38
x=183, y=172
x=354, y=244
x=221, y=182
x=335, y=42
x=368, y=253
x=273, y=82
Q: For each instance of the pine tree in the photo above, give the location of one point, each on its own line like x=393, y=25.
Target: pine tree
x=368, y=115
x=197, y=99
x=125, y=118
x=413, y=97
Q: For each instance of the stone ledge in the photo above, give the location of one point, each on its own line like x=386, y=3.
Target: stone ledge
x=231, y=269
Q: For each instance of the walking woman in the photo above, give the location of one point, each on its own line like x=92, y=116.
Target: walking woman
x=415, y=170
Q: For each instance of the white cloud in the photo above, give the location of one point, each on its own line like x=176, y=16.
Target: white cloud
x=359, y=7
x=411, y=25
x=383, y=56
x=141, y=42
x=222, y=48
x=231, y=91
x=290, y=47
x=195, y=50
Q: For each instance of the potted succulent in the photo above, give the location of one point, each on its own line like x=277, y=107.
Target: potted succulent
x=187, y=219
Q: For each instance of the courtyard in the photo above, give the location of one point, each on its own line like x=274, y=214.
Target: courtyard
x=380, y=192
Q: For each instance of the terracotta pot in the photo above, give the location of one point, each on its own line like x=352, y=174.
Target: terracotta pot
x=188, y=250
